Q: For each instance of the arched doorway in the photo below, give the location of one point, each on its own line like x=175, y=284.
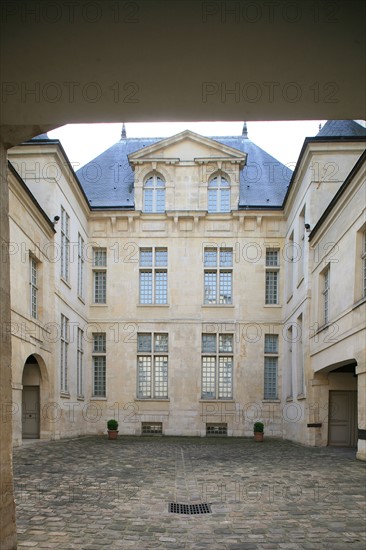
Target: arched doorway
x=31, y=382
x=342, y=425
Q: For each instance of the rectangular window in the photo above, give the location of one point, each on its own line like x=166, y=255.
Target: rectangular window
x=301, y=248
x=153, y=276
x=99, y=359
x=326, y=290
x=272, y=276
x=65, y=244
x=80, y=266
x=79, y=364
x=152, y=365
x=217, y=366
x=33, y=281
x=99, y=275
x=218, y=276
x=300, y=358
x=270, y=366
x=64, y=353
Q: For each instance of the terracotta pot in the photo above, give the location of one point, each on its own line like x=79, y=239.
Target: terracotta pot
x=258, y=436
x=112, y=434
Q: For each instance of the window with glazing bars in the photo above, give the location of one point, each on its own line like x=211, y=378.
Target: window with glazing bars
x=80, y=266
x=99, y=360
x=217, y=366
x=152, y=365
x=326, y=290
x=153, y=276
x=218, y=194
x=154, y=194
x=64, y=353
x=33, y=280
x=65, y=244
x=218, y=275
x=272, y=276
x=99, y=275
x=270, y=366
x=79, y=364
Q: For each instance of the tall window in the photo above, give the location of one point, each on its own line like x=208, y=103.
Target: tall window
x=272, y=276
x=65, y=244
x=154, y=194
x=290, y=266
x=33, y=282
x=289, y=392
x=363, y=256
x=153, y=276
x=301, y=233
x=299, y=357
x=152, y=365
x=99, y=275
x=270, y=366
x=217, y=366
x=80, y=266
x=218, y=194
x=326, y=290
x=218, y=275
x=79, y=364
x=99, y=359
x=64, y=352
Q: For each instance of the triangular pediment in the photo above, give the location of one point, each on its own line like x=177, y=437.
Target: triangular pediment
x=187, y=146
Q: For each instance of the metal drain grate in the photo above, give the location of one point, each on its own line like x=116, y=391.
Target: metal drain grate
x=192, y=509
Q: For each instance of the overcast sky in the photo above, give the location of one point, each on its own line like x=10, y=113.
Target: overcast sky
x=283, y=140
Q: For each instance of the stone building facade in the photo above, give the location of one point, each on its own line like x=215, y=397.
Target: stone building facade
x=190, y=286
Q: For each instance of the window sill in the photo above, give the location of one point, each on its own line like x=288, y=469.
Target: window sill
x=272, y=305
x=65, y=282
x=154, y=399
x=81, y=300
x=96, y=398
x=213, y=400
x=80, y=398
x=99, y=305
x=301, y=396
x=289, y=399
x=65, y=395
x=218, y=305
x=271, y=400
x=359, y=302
x=153, y=305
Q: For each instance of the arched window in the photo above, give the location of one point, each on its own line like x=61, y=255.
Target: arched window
x=154, y=194
x=219, y=194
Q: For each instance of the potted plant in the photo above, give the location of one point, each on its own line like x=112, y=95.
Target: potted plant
x=258, y=430
x=112, y=426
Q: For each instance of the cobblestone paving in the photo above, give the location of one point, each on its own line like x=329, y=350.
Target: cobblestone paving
x=91, y=493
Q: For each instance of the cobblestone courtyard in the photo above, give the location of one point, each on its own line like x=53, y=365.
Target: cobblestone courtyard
x=91, y=493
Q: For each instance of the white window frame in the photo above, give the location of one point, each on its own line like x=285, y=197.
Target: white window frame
x=158, y=185
x=363, y=259
x=99, y=364
x=222, y=386
x=65, y=245
x=272, y=269
x=326, y=293
x=270, y=366
x=216, y=190
x=79, y=364
x=220, y=271
x=64, y=354
x=33, y=286
x=153, y=276
x=155, y=360
x=99, y=275
x=80, y=266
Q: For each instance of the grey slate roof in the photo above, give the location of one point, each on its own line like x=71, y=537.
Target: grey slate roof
x=40, y=137
x=347, y=128
x=108, y=179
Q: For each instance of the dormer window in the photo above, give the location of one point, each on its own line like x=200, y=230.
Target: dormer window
x=154, y=194
x=218, y=194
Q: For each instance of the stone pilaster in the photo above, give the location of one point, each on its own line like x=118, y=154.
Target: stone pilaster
x=7, y=506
